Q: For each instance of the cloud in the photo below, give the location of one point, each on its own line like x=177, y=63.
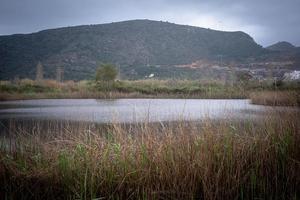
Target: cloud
x=266, y=21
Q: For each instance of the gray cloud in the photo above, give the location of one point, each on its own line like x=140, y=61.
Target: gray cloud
x=266, y=21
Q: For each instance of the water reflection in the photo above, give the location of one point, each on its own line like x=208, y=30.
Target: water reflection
x=129, y=110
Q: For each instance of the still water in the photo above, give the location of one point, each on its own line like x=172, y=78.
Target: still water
x=130, y=110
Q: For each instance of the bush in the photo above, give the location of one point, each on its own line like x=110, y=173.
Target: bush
x=106, y=72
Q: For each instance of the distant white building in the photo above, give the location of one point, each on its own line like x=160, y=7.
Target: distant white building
x=151, y=76
x=295, y=75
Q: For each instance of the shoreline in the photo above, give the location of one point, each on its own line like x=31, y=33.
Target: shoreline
x=114, y=95
x=255, y=98
x=261, y=93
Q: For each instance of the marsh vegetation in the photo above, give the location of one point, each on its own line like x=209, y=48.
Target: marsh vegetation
x=258, y=91
x=183, y=160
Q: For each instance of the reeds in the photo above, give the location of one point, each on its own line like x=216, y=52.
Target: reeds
x=176, y=160
x=276, y=98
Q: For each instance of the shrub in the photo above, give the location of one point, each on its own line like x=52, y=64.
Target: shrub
x=106, y=72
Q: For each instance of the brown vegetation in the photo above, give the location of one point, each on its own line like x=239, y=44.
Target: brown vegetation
x=276, y=98
x=183, y=160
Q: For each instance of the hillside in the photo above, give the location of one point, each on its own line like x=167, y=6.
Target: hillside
x=282, y=46
x=131, y=44
x=284, y=52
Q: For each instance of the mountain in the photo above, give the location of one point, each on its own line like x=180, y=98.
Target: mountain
x=80, y=49
x=282, y=46
x=285, y=52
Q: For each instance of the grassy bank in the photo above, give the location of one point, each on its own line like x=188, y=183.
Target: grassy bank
x=262, y=93
x=28, y=89
x=183, y=160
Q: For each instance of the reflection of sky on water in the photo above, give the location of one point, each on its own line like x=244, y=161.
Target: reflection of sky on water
x=130, y=110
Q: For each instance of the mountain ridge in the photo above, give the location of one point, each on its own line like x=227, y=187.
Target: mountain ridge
x=282, y=46
x=80, y=49
x=116, y=22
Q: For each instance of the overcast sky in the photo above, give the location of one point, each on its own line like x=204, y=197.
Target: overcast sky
x=267, y=21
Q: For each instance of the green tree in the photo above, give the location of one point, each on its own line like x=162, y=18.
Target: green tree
x=106, y=72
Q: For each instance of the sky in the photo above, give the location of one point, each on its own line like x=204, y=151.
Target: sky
x=267, y=21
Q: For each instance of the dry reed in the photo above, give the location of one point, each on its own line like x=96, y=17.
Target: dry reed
x=276, y=98
x=179, y=160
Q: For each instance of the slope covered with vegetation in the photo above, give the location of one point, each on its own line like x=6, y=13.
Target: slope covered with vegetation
x=133, y=43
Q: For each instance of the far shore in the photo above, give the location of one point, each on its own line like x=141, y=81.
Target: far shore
x=265, y=93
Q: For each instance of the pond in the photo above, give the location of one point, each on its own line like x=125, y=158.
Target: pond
x=130, y=110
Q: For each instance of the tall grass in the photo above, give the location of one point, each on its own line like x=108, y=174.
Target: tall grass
x=276, y=98
x=182, y=160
